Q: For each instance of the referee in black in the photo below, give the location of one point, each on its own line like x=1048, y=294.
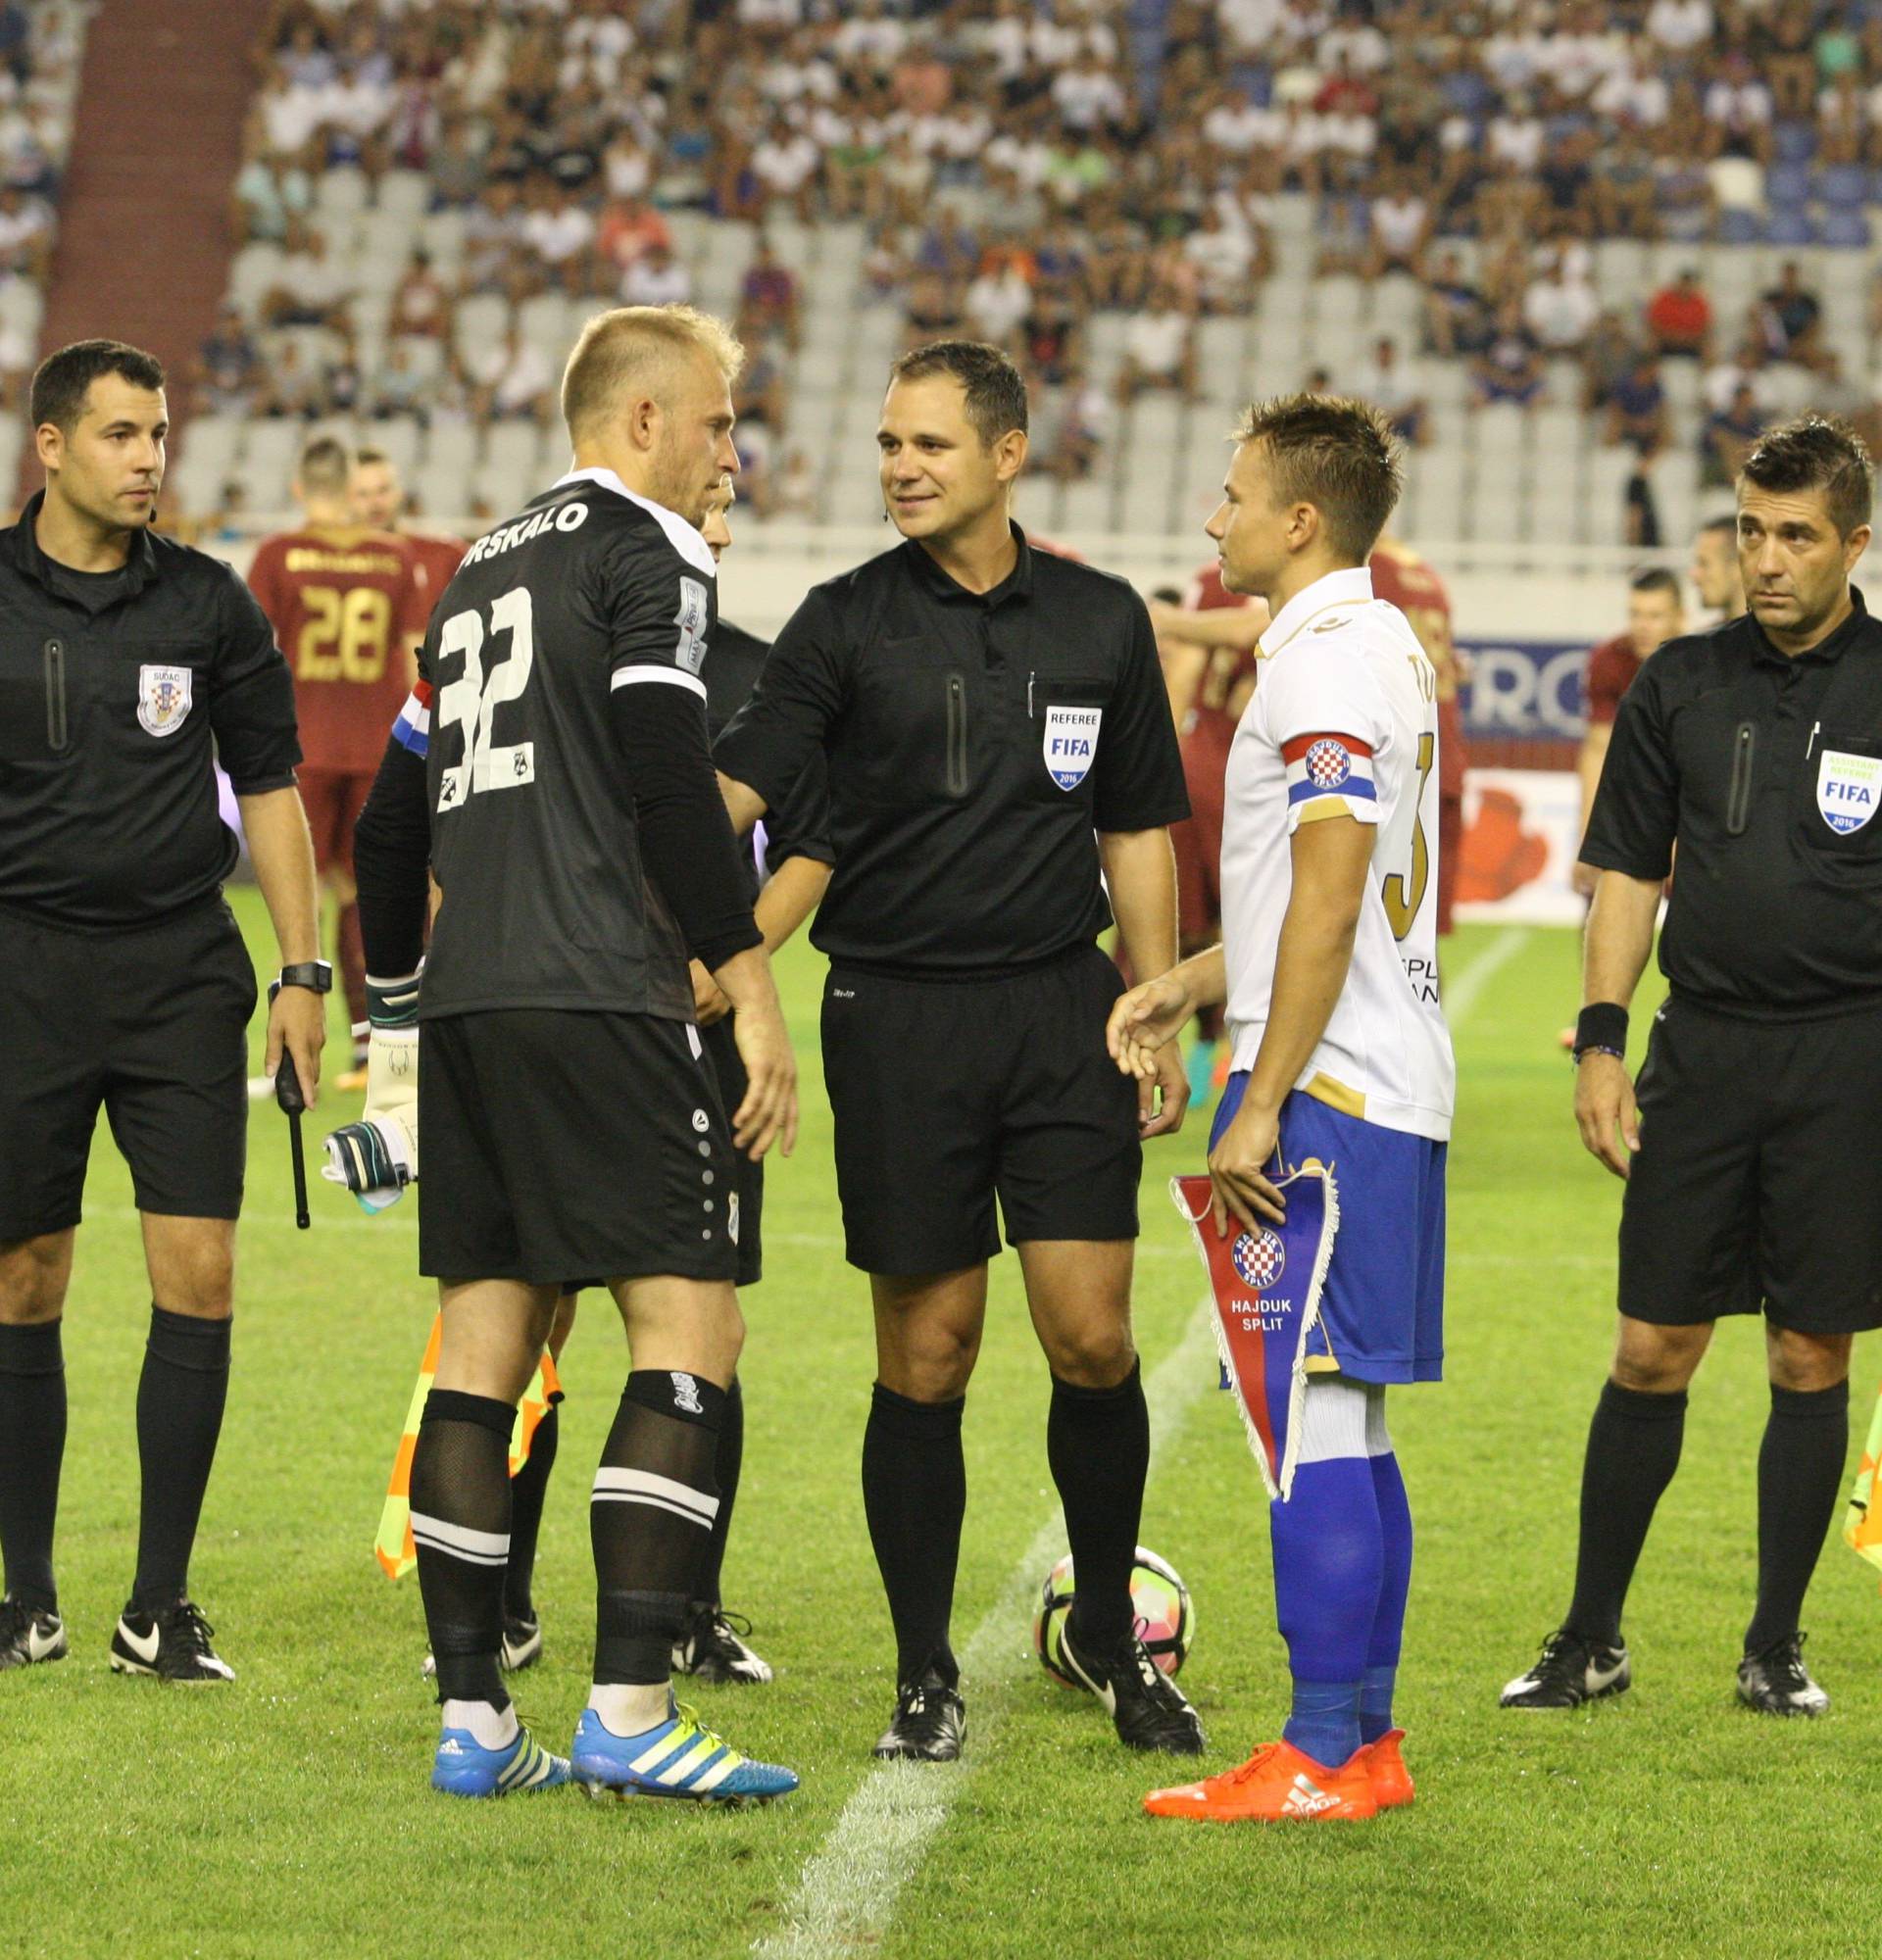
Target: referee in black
x=997, y=736
x=128, y=662
x=1753, y=1158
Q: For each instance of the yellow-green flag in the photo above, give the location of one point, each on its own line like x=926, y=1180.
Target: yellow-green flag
x=1862, y=1524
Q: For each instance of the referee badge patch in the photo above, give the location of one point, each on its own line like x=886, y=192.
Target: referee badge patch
x=1847, y=789
x=1071, y=744
x=162, y=699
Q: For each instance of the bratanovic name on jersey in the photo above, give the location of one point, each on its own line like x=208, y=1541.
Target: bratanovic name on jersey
x=588, y=592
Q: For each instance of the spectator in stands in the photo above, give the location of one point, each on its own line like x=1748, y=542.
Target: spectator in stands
x=1385, y=382
x=421, y=302
x=1738, y=111
x=1835, y=393
x=1224, y=258
x=1679, y=318
x=309, y=289
x=1637, y=410
x=18, y=353
x=1789, y=315
x=1680, y=29
x=1159, y=348
x=630, y=225
x=998, y=299
x=1457, y=316
x=270, y=190
x=25, y=235
x=1611, y=351
x=454, y=166
x=400, y=387
x=795, y=494
x=786, y=163
x=230, y=367
x=1685, y=205
x=292, y=389
x=1559, y=309
x=1052, y=336
x=1401, y=228
x=1084, y=424
x=1727, y=438
x=933, y=308
x=557, y=229
x=758, y=394
x=657, y=278
x=769, y=296
x=511, y=379
x=1510, y=367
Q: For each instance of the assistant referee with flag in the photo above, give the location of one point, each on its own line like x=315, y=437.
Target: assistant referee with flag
x=128, y=662
x=1754, y=1154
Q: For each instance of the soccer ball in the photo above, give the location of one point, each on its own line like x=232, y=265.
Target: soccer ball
x=1159, y=1600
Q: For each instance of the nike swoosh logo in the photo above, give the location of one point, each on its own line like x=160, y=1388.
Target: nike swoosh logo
x=144, y=1647
x=39, y=1646
x=1599, y=1677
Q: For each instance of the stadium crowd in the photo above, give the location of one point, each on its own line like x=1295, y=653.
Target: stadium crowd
x=1022, y=168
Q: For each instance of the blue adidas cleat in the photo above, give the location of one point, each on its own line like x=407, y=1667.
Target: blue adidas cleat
x=678, y=1758
x=463, y=1767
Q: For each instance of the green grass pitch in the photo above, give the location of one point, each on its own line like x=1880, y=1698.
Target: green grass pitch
x=290, y=1816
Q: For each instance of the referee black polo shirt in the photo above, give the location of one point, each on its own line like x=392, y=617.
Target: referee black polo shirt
x=117, y=690
x=1766, y=771
x=127, y=985
x=974, y=743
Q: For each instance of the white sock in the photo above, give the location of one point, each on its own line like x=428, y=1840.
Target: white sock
x=631, y=1708
x=493, y=1728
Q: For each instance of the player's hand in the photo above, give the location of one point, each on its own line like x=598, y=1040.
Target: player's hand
x=710, y=1004
x=1161, y=1100
x=1143, y=1020
x=378, y=1156
x=769, y=1113
x=1603, y=1106
x=1238, y=1171
x=297, y=1022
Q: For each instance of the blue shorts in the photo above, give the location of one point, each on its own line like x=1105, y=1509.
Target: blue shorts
x=1383, y=1308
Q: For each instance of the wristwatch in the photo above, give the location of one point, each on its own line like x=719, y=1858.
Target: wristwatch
x=315, y=974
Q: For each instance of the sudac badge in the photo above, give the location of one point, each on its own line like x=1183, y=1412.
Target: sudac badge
x=1847, y=789
x=162, y=699
x=1072, y=743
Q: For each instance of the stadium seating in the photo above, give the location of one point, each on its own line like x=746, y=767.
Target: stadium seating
x=1492, y=473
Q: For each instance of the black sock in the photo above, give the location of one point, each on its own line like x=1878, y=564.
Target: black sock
x=1800, y=1478
x=1098, y=1443
x=652, y=1510
x=32, y=1445
x=1633, y=1450
x=461, y=1526
x=726, y=1466
x=179, y=1416
x=528, y=1489
x=915, y=1492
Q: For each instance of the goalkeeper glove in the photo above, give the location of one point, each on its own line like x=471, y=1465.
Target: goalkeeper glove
x=378, y=1156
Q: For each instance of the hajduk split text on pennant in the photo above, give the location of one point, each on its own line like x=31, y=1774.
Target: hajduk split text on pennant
x=1266, y=1288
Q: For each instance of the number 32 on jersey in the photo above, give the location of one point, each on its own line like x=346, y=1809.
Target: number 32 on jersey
x=472, y=699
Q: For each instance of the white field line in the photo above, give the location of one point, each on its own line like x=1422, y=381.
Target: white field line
x=847, y=1894
x=1465, y=989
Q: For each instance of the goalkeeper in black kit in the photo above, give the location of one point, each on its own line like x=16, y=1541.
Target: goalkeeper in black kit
x=551, y=772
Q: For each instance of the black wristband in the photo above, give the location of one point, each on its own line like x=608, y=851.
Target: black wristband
x=316, y=976
x=1601, y=1025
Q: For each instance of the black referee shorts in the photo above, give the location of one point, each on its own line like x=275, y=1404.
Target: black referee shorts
x=949, y=1091
x=152, y=1025
x=559, y=1144
x=1759, y=1181
x=748, y=1178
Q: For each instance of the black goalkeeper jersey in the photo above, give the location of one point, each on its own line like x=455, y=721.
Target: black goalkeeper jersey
x=534, y=841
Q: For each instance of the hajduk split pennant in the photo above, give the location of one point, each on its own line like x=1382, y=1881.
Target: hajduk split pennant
x=1266, y=1287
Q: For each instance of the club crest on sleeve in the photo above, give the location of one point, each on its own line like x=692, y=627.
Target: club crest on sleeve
x=162, y=699
x=1847, y=789
x=1071, y=744
x=1328, y=765
x=1260, y=1259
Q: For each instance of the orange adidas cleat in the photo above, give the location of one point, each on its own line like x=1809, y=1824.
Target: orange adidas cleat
x=1276, y=1783
x=1385, y=1769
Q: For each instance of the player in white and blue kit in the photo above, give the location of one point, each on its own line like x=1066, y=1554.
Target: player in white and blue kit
x=1328, y=967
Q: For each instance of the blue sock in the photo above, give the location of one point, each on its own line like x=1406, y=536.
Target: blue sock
x=1329, y=1570
x=1388, y=1626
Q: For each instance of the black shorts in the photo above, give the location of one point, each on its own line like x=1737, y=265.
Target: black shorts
x=152, y=1024
x=557, y=1144
x=1759, y=1182
x=946, y=1092
x=748, y=1178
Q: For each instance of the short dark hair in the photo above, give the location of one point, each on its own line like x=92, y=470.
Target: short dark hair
x=1339, y=454
x=63, y=379
x=1656, y=579
x=1817, y=452
x=993, y=388
x=326, y=465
